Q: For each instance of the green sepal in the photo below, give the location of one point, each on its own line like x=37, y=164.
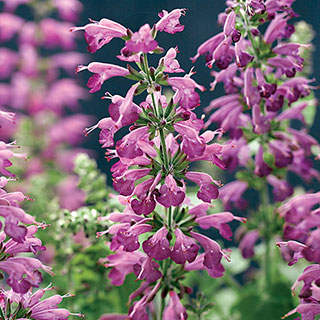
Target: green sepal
x=141, y=88
x=135, y=72
x=169, y=108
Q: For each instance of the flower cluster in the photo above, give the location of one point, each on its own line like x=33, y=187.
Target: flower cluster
x=165, y=137
x=37, y=86
x=302, y=232
x=262, y=74
x=17, y=236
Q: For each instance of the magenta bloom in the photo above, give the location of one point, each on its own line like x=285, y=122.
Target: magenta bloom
x=99, y=33
x=128, y=237
x=146, y=269
x=185, y=249
x=208, y=191
x=122, y=263
x=281, y=188
x=10, y=24
x=232, y=193
x=102, y=72
x=213, y=252
x=219, y=221
x=23, y=273
x=172, y=65
x=185, y=91
x=169, y=22
x=170, y=193
x=247, y=243
x=261, y=168
x=142, y=41
x=175, y=310
x=192, y=144
x=157, y=246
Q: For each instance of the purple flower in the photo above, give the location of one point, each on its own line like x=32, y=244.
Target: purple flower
x=99, y=33
x=281, y=188
x=213, y=252
x=146, y=269
x=247, y=243
x=282, y=153
x=128, y=237
x=170, y=193
x=142, y=41
x=172, y=65
x=208, y=191
x=219, y=221
x=10, y=24
x=169, y=21
x=157, y=246
x=102, y=72
x=122, y=264
x=261, y=168
x=294, y=247
x=242, y=57
x=251, y=93
x=276, y=28
x=23, y=273
x=125, y=183
x=185, y=94
x=192, y=144
x=209, y=46
x=185, y=249
x=232, y=193
x=175, y=310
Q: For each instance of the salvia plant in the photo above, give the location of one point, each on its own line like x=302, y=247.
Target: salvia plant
x=162, y=235
x=158, y=234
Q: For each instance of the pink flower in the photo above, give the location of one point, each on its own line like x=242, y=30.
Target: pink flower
x=10, y=24
x=23, y=272
x=208, y=191
x=157, y=246
x=185, y=249
x=172, y=65
x=68, y=9
x=122, y=263
x=213, y=252
x=169, y=22
x=142, y=41
x=208, y=47
x=170, y=193
x=146, y=269
x=175, y=310
x=192, y=145
x=8, y=62
x=102, y=72
x=185, y=94
x=56, y=34
x=70, y=196
x=99, y=33
x=247, y=243
x=219, y=221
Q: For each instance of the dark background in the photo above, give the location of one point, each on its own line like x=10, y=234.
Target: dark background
x=200, y=24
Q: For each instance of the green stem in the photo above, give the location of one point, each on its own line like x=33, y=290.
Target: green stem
x=162, y=306
x=251, y=39
x=164, y=148
x=170, y=219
